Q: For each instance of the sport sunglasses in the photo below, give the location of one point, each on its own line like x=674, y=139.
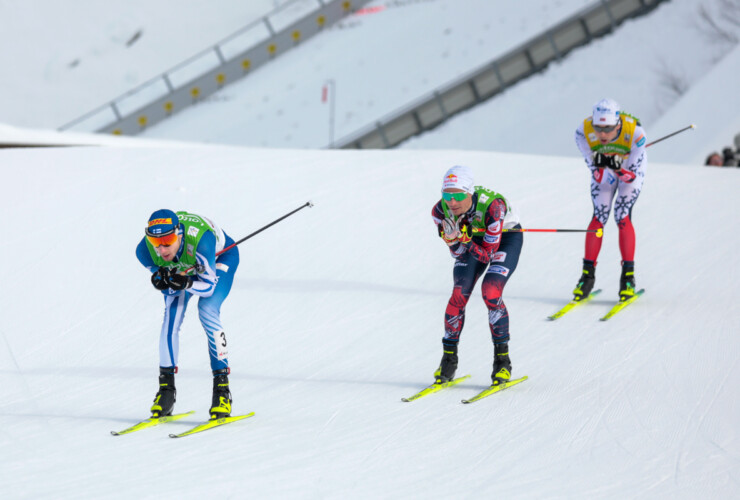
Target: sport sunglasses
x=453, y=196
x=605, y=129
x=162, y=240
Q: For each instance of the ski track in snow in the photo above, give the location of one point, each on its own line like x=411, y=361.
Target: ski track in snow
x=328, y=328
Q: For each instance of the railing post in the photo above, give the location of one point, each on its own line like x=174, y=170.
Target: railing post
x=605, y=3
x=219, y=54
x=269, y=26
x=558, y=55
x=115, y=110
x=168, y=83
x=441, y=105
x=498, y=75
x=381, y=132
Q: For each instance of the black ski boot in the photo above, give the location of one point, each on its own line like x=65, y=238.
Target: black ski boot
x=221, y=402
x=586, y=282
x=501, y=364
x=448, y=365
x=164, y=401
x=627, y=281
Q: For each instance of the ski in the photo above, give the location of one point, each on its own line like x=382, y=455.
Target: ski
x=573, y=303
x=494, y=389
x=211, y=424
x=434, y=388
x=622, y=304
x=151, y=422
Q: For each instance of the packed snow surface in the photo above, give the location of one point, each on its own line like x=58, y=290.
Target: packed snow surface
x=336, y=314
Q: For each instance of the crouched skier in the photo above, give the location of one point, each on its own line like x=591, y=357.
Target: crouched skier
x=180, y=250
x=471, y=220
x=612, y=143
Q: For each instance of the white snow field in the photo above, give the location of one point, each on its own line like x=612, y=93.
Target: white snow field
x=401, y=53
x=61, y=59
x=336, y=313
x=57, y=71
x=670, y=48
x=715, y=103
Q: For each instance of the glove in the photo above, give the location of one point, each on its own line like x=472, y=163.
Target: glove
x=480, y=253
x=179, y=282
x=466, y=230
x=613, y=162
x=449, y=231
x=160, y=279
x=625, y=175
x=617, y=163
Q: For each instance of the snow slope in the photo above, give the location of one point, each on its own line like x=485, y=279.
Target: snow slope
x=34, y=137
x=60, y=70
x=370, y=58
x=638, y=66
x=62, y=60
x=336, y=313
x=714, y=102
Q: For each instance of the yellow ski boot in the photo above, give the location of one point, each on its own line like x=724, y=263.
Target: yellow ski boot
x=501, y=364
x=221, y=402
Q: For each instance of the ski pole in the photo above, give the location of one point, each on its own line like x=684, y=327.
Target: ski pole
x=599, y=232
x=308, y=204
x=692, y=126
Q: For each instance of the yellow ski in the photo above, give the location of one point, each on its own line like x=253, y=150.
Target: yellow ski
x=494, y=389
x=573, y=303
x=151, y=422
x=622, y=304
x=435, y=388
x=211, y=424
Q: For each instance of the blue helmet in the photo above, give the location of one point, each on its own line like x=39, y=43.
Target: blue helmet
x=162, y=222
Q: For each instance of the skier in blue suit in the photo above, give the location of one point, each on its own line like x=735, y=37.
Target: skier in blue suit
x=179, y=249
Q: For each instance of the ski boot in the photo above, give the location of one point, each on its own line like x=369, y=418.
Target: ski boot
x=164, y=401
x=627, y=281
x=221, y=402
x=448, y=365
x=501, y=364
x=586, y=282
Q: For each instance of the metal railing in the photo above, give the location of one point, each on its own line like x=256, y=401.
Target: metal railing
x=483, y=83
x=207, y=72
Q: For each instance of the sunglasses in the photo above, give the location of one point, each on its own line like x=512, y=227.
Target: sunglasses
x=164, y=240
x=454, y=196
x=605, y=129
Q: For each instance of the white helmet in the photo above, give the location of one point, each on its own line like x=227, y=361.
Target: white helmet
x=459, y=177
x=606, y=112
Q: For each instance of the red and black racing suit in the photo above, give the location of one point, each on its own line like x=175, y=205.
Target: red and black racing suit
x=496, y=254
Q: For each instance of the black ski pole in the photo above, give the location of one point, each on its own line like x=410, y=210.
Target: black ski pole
x=308, y=204
x=692, y=126
x=197, y=266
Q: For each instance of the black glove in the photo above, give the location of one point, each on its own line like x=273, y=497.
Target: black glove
x=608, y=161
x=180, y=281
x=160, y=279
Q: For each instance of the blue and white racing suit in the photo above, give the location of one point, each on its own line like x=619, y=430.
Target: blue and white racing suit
x=211, y=284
